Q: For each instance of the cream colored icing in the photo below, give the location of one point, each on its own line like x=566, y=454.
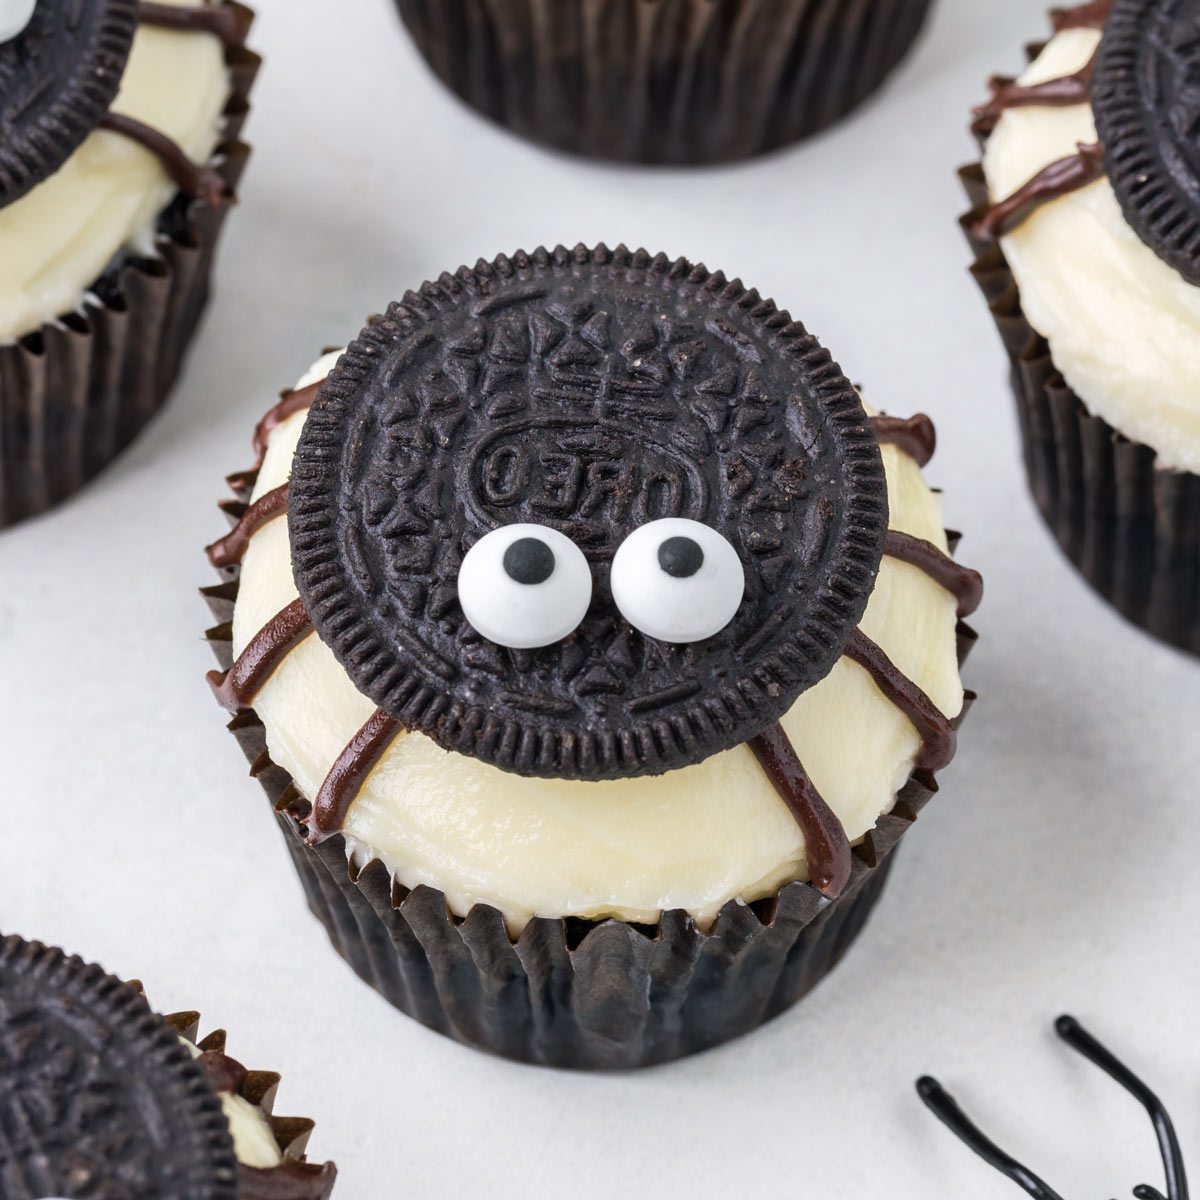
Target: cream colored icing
x=253, y=1142
x=57, y=239
x=1123, y=326
x=691, y=839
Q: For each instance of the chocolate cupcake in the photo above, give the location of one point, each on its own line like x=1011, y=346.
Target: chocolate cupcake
x=567, y=630
x=101, y=1097
x=1086, y=227
x=118, y=162
x=677, y=81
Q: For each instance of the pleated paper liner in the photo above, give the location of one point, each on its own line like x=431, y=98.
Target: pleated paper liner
x=1130, y=526
x=291, y=1134
x=574, y=993
x=673, y=81
x=76, y=392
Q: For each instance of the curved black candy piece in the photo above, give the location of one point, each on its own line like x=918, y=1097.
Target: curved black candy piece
x=98, y=1097
x=57, y=79
x=591, y=391
x=1146, y=100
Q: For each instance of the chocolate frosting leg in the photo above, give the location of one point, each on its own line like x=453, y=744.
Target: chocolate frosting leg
x=915, y=435
x=1062, y=92
x=196, y=182
x=1082, y=16
x=289, y=404
x=961, y=581
x=231, y=549
x=236, y=688
x=348, y=774
x=288, y=1181
x=825, y=840
x=937, y=732
x=1060, y=178
x=228, y=22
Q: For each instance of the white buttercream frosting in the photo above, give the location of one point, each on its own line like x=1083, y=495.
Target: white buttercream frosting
x=1123, y=326
x=58, y=238
x=253, y=1142
x=692, y=839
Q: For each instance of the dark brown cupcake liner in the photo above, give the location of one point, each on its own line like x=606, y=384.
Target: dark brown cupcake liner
x=312, y=1181
x=77, y=391
x=679, y=81
x=569, y=992
x=1131, y=527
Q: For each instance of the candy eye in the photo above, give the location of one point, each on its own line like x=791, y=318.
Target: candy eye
x=14, y=16
x=677, y=580
x=524, y=586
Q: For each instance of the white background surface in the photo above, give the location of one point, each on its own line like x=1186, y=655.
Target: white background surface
x=1055, y=871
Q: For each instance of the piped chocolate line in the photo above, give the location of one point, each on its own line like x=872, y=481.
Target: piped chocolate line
x=1062, y=92
x=225, y=21
x=1082, y=16
x=196, y=182
x=938, y=738
x=288, y=1181
x=1060, y=178
x=825, y=840
x=348, y=775
x=960, y=581
x=236, y=688
x=915, y=435
x=224, y=1073
x=231, y=549
x=289, y=404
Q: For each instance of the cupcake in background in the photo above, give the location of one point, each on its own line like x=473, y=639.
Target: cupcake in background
x=594, y=648
x=101, y=1097
x=1086, y=227
x=676, y=81
x=118, y=162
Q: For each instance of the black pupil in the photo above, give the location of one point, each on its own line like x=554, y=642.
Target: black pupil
x=529, y=560
x=680, y=557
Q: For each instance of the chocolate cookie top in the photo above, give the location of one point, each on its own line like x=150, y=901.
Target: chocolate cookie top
x=58, y=76
x=98, y=1097
x=587, y=393
x=1146, y=101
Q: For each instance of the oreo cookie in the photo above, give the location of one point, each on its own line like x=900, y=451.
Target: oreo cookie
x=1146, y=100
x=587, y=392
x=58, y=76
x=98, y=1097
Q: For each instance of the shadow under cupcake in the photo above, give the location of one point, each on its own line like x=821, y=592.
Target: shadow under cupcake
x=594, y=648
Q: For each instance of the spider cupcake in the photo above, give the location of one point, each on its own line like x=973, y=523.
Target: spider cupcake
x=571, y=638
x=1087, y=229
x=100, y=1097
x=118, y=160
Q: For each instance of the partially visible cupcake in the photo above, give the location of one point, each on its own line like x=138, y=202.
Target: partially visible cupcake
x=102, y=1098
x=568, y=631
x=1086, y=226
x=666, y=81
x=118, y=162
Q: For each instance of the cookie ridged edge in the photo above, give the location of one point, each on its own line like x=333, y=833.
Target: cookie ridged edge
x=125, y=1007
x=649, y=746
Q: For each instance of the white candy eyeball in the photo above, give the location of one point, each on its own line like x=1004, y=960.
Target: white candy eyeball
x=677, y=580
x=524, y=586
x=14, y=16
